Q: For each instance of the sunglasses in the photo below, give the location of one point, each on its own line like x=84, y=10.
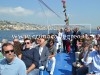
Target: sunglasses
x=6, y=52
x=27, y=42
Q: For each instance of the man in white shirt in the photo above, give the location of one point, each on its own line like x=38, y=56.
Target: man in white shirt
x=43, y=51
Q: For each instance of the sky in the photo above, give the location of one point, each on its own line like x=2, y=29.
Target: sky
x=32, y=11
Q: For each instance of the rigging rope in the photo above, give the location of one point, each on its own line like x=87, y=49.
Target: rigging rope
x=49, y=8
x=43, y=10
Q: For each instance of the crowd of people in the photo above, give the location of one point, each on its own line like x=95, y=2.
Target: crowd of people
x=34, y=54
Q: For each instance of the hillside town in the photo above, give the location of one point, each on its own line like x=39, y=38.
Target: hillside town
x=7, y=25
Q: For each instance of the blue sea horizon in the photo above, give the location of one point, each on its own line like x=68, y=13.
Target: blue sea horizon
x=9, y=34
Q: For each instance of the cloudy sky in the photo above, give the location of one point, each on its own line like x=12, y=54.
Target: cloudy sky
x=32, y=11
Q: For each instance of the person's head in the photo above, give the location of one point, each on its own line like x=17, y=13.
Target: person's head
x=85, y=35
x=68, y=29
x=76, y=29
x=32, y=39
x=37, y=40
x=92, y=36
x=90, y=47
x=98, y=48
x=42, y=42
x=97, y=36
x=51, y=42
x=61, y=30
x=95, y=47
x=8, y=51
x=86, y=45
x=27, y=42
x=65, y=30
x=98, y=28
x=82, y=36
x=16, y=40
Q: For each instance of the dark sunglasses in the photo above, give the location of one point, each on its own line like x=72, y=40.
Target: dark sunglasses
x=6, y=52
x=27, y=43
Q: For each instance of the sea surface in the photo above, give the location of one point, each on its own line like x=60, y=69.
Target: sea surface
x=10, y=34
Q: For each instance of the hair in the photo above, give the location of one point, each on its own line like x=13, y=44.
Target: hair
x=15, y=39
x=17, y=48
x=86, y=44
x=27, y=39
x=6, y=44
x=33, y=40
x=95, y=45
x=48, y=43
x=51, y=40
x=43, y=38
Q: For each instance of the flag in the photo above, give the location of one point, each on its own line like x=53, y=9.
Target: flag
x=64, y=3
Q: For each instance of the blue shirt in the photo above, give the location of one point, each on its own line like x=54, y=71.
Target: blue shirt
x=16, y=67
x=94, y=59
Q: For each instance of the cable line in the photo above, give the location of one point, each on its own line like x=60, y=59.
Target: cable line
x=49, y=8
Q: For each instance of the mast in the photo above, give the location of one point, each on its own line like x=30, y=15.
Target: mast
x=66, y=16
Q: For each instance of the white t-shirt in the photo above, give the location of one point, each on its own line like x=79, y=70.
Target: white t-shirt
x=40, y=50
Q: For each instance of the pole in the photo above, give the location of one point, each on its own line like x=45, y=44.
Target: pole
x=90, y=28
x=48, y=26
x=66, y=17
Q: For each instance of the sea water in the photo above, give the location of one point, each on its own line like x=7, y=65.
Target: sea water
x=9, y=34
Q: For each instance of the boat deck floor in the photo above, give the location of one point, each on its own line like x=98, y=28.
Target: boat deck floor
x=63, y=64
